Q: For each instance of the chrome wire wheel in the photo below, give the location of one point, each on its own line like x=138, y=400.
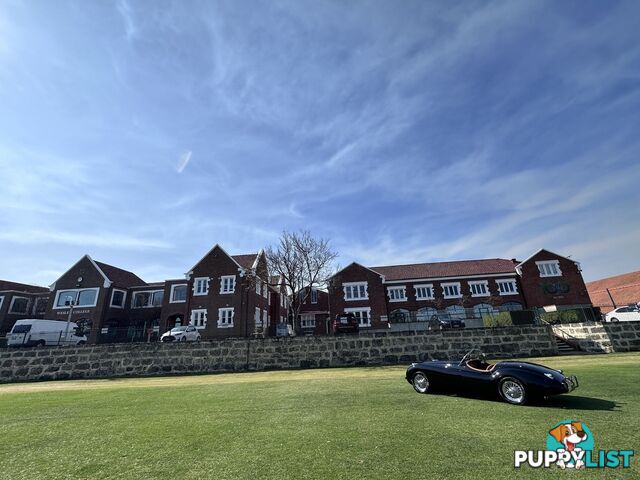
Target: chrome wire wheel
x=420, y=383
x=512, y=391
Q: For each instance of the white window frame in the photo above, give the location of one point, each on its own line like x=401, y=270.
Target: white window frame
x=544, y=270
x=258, y=286
x=198, y=281
x=124, y=298
x=351, y=286
x=222, y=317
x=308, y=320
x=75, y=290
x=356, y=310
x=486, y=293
x=399, y=293
x=314, y=295
x=451, y=284
x=13, y=300
x=223, y=289
x=197, y=312
x=171, y=300
x=1, y=300
x=428, y=286
x=511, y=281
x=151, y=305
x=265, y=289
x=256, y=316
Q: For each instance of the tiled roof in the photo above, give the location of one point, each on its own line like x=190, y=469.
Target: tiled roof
x=22, y=287
x=120, y=277
x=245, y=261
x=625, y=289
x=460, y=268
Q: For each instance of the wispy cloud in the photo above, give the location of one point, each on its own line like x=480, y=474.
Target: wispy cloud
x=183, y=161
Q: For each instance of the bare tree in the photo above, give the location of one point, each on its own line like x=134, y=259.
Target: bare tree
x=303, y=262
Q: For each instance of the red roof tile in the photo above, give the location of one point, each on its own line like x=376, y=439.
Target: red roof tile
x=625, y=290
x=461, y=268
x=120, y=277
x=22, y=287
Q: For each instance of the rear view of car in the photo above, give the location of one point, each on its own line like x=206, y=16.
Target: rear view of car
x=345, y=323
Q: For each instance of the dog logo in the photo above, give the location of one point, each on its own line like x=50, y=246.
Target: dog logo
x=573, y=438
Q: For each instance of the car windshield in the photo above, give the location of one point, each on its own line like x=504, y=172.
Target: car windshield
x=22, y=328
x=179, y=329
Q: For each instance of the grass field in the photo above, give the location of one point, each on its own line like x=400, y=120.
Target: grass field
x=335, y=423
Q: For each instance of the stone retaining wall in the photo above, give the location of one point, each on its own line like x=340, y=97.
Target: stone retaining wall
x=602, y=337
x=235, y=355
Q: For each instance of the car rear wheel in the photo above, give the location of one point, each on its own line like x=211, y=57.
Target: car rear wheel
x=183, y=339
x=41, y=343
x=512, y=391
x=420, y=382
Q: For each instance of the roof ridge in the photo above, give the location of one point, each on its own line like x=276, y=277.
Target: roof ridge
x=441, y=262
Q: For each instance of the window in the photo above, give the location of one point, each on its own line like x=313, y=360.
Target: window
x=456, y=312
x=228, y=284
x=19, y=305
x=256, y=317
x=451, y=290
x=178, y=294
x=550, y=268
x=199, y=318
x=355, y=291
x=314, y=295
x=482, y=309
x=1, y=301
x=147, y=299
x=362, y=314
x=425, y=314
x=117, y=298
x=424, y=292
x=87, y=297
x=511, y=306
x=479, y=288
x=507, y=287
x=265, y=290
x=41, y=305
x=258, y=286
x=397, y=294
x=201, y=286
x=308, y=320
x=225, y=317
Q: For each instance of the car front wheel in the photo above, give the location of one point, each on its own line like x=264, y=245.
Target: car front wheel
x=420, y=382
x=614, y=319
x=512, y=391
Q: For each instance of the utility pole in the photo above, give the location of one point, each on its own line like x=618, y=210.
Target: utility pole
x=66, y=332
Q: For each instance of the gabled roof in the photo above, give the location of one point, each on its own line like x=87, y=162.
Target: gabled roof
x=461, y=268
x=120, y=277
x=246, y=261
x=548, y=251
x=355, y=263
x=21, y=287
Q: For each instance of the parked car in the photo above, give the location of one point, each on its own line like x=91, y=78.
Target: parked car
x=187, y=333
x=31, y=332
x=623, y=314
x=514, y=382
x=283, y=329
x=345, y=323
x=437, y=323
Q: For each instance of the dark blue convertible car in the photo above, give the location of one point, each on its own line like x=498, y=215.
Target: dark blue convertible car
x=515, y=382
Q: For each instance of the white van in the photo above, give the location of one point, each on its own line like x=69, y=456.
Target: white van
x=29, y=332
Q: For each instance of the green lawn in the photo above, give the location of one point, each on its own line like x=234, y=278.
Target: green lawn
x=336, y=423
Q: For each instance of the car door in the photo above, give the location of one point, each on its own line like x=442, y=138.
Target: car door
x=470, y=380
x=191, y=333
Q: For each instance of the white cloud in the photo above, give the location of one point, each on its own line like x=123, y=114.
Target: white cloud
x=183, y=161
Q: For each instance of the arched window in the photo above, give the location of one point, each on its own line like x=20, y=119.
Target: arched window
x=511, y=306
x=399, y=315
x=456, y=312
x=424, y=314
x=482, y=309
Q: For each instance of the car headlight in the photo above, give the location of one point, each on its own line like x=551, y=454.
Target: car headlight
x=549, y=375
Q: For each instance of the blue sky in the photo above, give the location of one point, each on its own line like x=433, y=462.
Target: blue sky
x=144, y=132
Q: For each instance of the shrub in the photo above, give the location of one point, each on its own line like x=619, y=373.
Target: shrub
x=502, y=319
x=563, y=316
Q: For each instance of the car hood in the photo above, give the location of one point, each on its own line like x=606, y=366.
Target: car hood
x=166, y=334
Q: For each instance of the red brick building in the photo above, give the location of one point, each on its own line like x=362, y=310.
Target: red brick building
x=461, y=289
x=314, y=312
x=612, y=292
x=18, y=301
